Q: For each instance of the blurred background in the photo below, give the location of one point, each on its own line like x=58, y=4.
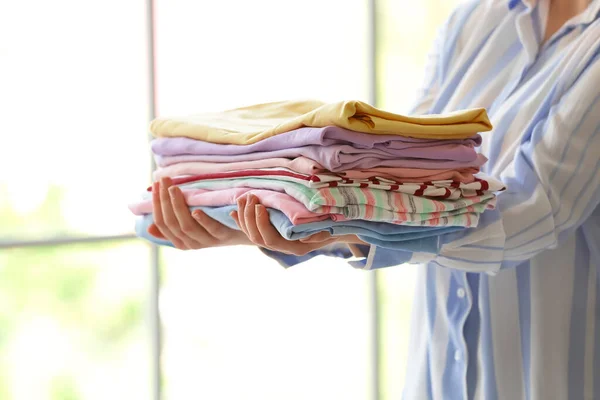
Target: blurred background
x=87, y=311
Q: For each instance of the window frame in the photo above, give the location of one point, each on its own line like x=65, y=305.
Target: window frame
x=154, y=321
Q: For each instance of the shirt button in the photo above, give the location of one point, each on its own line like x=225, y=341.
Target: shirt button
x=460, y=293
x=457, y=355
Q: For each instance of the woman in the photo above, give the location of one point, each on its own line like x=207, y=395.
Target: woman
x=511, y=309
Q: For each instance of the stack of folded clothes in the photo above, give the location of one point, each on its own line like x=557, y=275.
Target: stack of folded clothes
x=346, y=168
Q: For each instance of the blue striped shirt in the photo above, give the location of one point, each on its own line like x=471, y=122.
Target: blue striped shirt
x=511, y=309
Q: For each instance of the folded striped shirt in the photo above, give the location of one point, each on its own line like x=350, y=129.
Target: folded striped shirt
x=445, y=189
x=365, y=203
x=299, y=214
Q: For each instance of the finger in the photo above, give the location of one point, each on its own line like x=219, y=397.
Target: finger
x=154, y=231
x=250, y=221
x=157, y=210
x=271, y=237
x=169, y=218
x=236, y=219
x=241, y=203
x=316, y=238
x=273, y=240
x=213, y=227
x=189, y=226
x=159, y=219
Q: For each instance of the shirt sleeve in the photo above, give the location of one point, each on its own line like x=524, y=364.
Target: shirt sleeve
x=553, y=184
x=553, y=179
x=436, y=68
x=445, y=48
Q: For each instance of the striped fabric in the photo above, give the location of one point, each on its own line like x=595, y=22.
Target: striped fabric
x=367, y=204
x=511, y=309
x=446, y=189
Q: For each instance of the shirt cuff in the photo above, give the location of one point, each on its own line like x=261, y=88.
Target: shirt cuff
x=339, y=250
x=479, y=250
x=380, y=257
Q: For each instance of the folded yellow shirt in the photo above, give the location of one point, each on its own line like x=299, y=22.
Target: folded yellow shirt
x=251, y=124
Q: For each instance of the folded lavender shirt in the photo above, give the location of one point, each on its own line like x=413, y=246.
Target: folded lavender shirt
x=399, y=146
x=334, y=158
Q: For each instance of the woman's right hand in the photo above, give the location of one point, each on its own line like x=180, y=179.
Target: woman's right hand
x=174, y=222
x=253, y=219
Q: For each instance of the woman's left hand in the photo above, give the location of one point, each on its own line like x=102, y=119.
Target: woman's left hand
x=253, y=219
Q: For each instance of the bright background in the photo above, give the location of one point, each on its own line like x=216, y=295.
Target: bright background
x=79, y=296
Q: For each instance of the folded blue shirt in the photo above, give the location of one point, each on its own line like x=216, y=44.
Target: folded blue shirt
x=386, y=235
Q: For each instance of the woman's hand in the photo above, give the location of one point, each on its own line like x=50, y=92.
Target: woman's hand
x=174, y=222
x=253, y=219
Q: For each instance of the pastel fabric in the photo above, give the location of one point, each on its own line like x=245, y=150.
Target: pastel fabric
x=333, y=158
x=418, y=175
x=300, y=165
x=248, y=125
x=455, y=149
x=296, y=212
x=292, y=208
x=367, y=204
x=444, y=189
x=307, y=166
x=388, y=235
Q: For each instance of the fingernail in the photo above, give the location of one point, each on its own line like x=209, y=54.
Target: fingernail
x=196, y=214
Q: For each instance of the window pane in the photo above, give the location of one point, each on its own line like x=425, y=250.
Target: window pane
x=396, y=286
x=73, y=322
x=74, y=116
x=406, y=30
x=238, y=326
x=215, y=55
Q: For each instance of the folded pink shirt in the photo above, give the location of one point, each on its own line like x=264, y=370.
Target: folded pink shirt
x=307, y=166
x=301, y=165
x=296, y=212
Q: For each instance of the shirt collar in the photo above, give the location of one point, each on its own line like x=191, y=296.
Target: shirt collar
x=588, y=16
x=528, y=3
